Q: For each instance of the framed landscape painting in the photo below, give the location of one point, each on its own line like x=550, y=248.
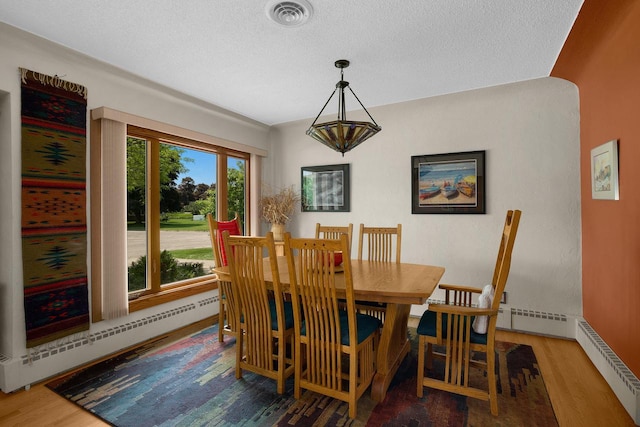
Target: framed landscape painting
x=325, y=188
x=452, y=183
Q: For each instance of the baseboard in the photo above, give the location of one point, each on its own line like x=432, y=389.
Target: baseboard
x=76, y=350
x=543, y=323
x=622, y=381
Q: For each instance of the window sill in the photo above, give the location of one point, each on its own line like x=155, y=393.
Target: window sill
x=173, y=294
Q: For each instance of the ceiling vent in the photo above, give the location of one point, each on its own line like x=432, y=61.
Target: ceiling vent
x=289, y=13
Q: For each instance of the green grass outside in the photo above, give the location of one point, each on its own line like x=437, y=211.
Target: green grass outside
x=176, y=222
x=196, y=253
x=181, y=215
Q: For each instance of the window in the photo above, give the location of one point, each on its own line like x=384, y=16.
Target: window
x=151, y=185
x=172, y=184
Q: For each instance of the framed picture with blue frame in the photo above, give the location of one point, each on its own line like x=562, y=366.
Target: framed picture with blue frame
x=451, y=183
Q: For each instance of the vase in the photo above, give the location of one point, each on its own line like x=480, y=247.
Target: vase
x=278, y=232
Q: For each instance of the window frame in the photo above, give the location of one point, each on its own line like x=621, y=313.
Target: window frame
x=158, y=293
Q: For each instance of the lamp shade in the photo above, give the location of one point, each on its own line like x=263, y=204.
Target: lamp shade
x=342, y=135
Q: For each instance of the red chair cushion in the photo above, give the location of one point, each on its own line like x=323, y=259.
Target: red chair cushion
x=233, y=229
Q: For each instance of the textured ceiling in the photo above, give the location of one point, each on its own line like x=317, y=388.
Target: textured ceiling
x=228, y=53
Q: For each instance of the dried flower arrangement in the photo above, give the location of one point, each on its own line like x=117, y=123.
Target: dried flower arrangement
x=277, y=207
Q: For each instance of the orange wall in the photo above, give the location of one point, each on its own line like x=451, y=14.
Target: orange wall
x=602, y=57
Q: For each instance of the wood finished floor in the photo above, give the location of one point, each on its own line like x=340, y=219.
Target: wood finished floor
x=578, y=393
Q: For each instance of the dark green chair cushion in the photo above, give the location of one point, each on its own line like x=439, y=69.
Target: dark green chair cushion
x=427, y=326
x=288, y=315
x=367, y=325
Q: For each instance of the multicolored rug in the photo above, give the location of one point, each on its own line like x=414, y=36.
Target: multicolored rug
x=192, y=382
x=54, y=220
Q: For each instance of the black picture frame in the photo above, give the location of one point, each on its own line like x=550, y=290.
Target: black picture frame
x=451, y=183
x=325, y=188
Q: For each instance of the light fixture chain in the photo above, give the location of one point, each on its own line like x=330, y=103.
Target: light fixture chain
x=363, y=107
x=325, y=106
x=341, y=105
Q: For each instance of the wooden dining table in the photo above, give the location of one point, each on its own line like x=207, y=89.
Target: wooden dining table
x=397, y=285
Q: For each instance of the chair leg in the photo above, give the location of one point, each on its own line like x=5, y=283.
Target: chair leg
x=239, y=354
x=355, y=362
x=491, y=376
x=221, y=318
x=282, y=364
x=353, y=409
x=420, y=376
x=300, y=355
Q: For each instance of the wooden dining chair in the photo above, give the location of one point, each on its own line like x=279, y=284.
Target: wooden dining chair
x=226, y=318
x=463, y=329
x=335, y=348
x=265, y=318
x=334, y=232
x=382, y=244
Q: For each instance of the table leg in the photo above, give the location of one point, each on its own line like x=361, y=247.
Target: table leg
x=394, y=346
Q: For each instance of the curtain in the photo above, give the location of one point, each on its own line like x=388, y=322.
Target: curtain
x=113, y=214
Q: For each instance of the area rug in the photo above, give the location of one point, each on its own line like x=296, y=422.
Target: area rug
x=54, y=220
x=192, y=382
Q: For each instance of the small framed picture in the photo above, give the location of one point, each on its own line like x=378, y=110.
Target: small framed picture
x=604, y=171
x=325, y=188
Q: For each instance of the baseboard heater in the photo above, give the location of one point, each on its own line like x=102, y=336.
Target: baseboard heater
x=622, y=381
x=541, y=322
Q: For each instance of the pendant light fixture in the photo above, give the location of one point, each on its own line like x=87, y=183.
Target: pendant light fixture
x=342, y=135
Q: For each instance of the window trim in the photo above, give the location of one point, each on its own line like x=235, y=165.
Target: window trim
x=144, y=123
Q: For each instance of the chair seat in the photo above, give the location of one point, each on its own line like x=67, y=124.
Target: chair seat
x=427, y=326
x=367, y=325
x=288, y=315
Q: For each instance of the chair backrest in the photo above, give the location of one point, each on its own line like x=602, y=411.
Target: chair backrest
x=333, y=232
x=216, y=228
x=383, y=243
x=503, y=263
x=313, y=288
x=247, y=277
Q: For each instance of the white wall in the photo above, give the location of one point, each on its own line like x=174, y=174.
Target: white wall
x=530, y=132
x=110, y=87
